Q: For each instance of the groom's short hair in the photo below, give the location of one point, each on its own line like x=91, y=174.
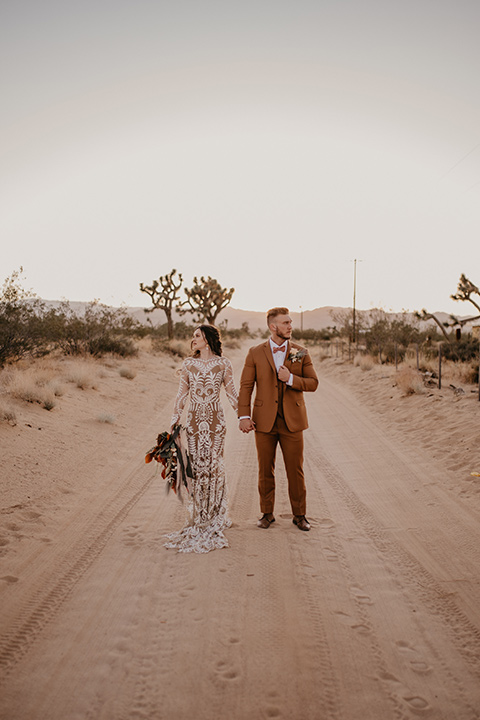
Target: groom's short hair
x=274, y=312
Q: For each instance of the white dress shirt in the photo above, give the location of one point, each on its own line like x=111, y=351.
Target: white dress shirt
x=279, y=357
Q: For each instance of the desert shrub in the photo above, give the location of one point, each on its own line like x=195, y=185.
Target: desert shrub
x=99, y=331
x=231, y=344
x=25, y=387
x=29, y=328
x=7, y=413
x=463, y=350
x=107, y=344
x=312, y=336
x=181, y=331
x=410, y=381
x=364, y=362
x=177, y=348
x=466, y=372
x=106, y=418
x=82, y=375
x=21, y=322
x=389, y=337
x=127, y=373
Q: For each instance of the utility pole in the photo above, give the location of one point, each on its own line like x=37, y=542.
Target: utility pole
x=354, y=329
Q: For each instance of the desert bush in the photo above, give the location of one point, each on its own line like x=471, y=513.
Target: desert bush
x=99, y=331
x=83, y=375
x=127, y=373
x=177, y=348
x=462, y=350
x=410, y=381
x=231, y=344
x=7, y=413
x=470, y=373
x=364, y=362
x=29, y=328
x=311, y=336
x=21, y=322
x=106, y=418
x=181, y=331
x=25, y=387
x=389, y=336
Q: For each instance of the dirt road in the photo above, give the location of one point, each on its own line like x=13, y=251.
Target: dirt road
x=373, y=614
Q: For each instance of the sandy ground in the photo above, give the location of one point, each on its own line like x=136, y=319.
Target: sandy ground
x=373, y=614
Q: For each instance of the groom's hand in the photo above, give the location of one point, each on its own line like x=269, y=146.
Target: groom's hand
x=283, y=373
x=246, y=424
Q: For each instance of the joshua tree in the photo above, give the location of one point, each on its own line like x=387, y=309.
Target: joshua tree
x=465, y=288
x=425, y=315
x=163, y=293
x=206, y=299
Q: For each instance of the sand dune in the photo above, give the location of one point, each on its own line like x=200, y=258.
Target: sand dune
x=374, y=614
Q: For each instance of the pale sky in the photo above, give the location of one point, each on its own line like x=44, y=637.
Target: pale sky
x=266, y=143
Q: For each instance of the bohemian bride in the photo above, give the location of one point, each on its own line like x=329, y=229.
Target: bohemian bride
x=202, y=377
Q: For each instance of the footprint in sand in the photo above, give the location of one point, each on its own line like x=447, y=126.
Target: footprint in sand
x=346, y=619
x=361, y=597
x=417, y=664
x=225, y=671
x=325, y=524
x=416, y=703
x=331, y=555
x=10, y=579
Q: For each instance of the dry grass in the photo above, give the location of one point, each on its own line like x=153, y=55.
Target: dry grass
x=410, y=381
x=364, y=362
x=43, y=381
x=322, y=354
x=459, y=373
x=127, y=373
x=7, y=413
x=177, y=348
x=454, y=373
x=24, y=386
x=106, y=418
x=82, y=374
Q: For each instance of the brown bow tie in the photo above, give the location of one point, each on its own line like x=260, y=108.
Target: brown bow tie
x=279, y=348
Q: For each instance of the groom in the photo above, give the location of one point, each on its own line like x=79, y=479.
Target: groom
x=282, y=371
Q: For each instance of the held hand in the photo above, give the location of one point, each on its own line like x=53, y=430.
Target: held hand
x=283, y=373
x=246, y=425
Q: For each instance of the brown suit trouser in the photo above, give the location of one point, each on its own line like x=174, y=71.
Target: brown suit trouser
x=291, y=444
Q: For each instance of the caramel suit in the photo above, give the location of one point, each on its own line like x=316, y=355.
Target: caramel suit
x=280, y=416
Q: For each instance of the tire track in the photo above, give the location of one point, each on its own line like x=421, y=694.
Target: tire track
x=42, y=608
x=419, y=588
x=347, y=437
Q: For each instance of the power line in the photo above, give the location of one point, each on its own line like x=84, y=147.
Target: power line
x=461, y=160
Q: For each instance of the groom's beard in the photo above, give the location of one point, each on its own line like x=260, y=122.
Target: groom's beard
x=284, y=337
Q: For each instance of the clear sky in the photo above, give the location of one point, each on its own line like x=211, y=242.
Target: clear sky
x=266, y=143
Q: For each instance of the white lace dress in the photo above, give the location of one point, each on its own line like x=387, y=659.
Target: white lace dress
x=206, y=428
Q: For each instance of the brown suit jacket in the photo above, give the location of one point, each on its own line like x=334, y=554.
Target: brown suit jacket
x=259, y=370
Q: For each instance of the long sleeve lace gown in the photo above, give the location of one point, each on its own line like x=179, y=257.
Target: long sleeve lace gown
x=206, y=428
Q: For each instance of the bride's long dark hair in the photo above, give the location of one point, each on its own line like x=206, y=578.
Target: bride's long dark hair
x=212, y=336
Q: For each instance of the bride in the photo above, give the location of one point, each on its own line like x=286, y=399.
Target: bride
x=202, y=376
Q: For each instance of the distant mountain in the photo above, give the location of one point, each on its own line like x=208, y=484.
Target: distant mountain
x=317, y=319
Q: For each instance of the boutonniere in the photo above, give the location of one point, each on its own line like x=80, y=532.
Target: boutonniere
x=296, y=354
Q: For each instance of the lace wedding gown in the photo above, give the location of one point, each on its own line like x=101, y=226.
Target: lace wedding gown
x=206, y=428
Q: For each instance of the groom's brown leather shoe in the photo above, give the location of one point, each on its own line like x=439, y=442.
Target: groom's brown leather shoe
x=301, y=522
x=266, y=520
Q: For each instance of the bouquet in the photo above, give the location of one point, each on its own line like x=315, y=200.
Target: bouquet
x=170, y=453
